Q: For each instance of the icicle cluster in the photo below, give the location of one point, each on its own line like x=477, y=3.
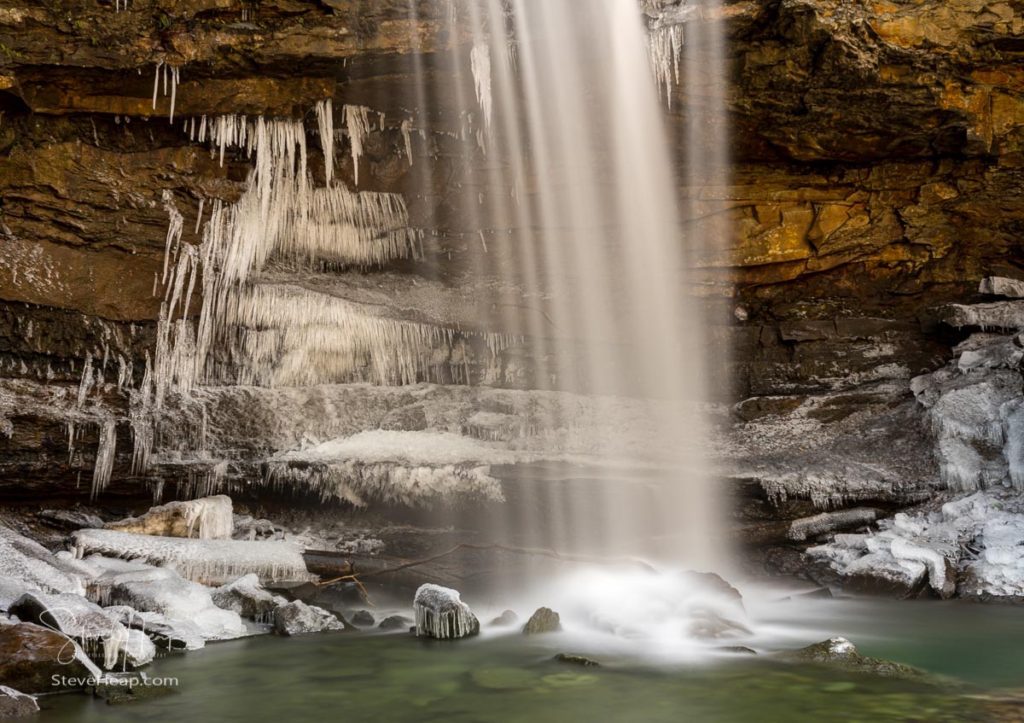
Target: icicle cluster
x=104, y=456
x=441, y=614
x=666, y=48
x=359, y=126
x=170, y=77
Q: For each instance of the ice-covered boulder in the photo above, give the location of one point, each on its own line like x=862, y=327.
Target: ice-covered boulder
x=25, y=565
x=162, y=590
x=30, y=655
x=14, y=704
x=298, y=618
x=974, y=544
x=249, y=599
x=210, y=562
x=543, y=620
x=101, y=636
x=440, y=613
x=166, y=633
x=209, y=518
x=138, y=650
x=1002, y=286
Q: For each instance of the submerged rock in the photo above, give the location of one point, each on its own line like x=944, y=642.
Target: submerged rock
x=506, y=619
x=298, y=618
x=573, y=659
x=31, y=655
x=14, y=704
x=209, y=518
x=544, y=620
x=711, y=625
x=128, y=688
x=841, y=653
x=441, y=614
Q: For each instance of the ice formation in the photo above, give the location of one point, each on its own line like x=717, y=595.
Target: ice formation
x=440, y=613
x=359, y=126
x=104, y=456
x=28, y=566
x=974, y=407
x=163, y=591
x=298, y=618
x=480, y=64
x=102, y=637
x=171, y=76
x=666, y=48
x=208, y=518
x=980, y=537
x=325, y=124
x=247, y=597
x=213, y=562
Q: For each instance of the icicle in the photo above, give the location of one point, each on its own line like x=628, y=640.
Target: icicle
x=325, y=122
x=666, y=49
x=174, y=90
x=156, y=82
x=104, y=456
x=357, y=121
x=199, y=215
x=407, y=136
x=480, y=63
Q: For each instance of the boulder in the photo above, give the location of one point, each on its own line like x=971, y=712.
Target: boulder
x=249, y=599
x=441, y=614
x=545, y=620
x=1002, y=286
x=100, y=635
x=395, y=622
x=506, y=619
x=298, y=618
x=30, y=655
x=25, y=565
x=209, y=518
x=161, y=590
x=14, y=704
x=363, y=619
x=708, y=624
x=167, y=634
x=842, y=654
x=138, y=650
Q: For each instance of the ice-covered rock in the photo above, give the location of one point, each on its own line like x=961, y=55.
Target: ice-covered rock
x=298, y=618
x=14, y=704
x=138, y=649
x=440, y=613
x=25, y=565
x=249, y=599
x=816, y=525
x=543, y=620
x=1002, y=286
x=209, y=518
x=1006, y=315
x=30, y=655
x=162, y=590
x=974, y=407
x=100, y=635
x=977, y=541
x=211, y=562
x=166, y=633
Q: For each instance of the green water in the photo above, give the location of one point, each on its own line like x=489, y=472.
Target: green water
x=360, y=677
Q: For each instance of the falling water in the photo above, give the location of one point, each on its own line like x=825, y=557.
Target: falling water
x=581, y=167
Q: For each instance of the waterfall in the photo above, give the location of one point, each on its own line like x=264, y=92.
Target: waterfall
x=581, y=167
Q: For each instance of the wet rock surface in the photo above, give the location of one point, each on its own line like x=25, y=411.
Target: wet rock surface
x=14, y=704
x=30, y=655
x=543, y=620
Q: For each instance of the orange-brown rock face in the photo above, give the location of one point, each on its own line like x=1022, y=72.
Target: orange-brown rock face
x=878, y=149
